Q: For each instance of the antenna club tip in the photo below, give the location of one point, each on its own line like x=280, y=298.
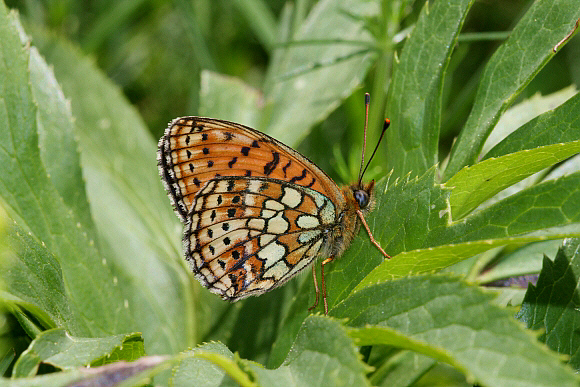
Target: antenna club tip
x=367, y=98
x=387, y=123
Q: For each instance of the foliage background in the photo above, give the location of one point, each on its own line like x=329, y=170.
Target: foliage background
x=159, y=55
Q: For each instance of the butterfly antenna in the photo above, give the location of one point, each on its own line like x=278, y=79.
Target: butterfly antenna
x=385, y=127
x=362, y=159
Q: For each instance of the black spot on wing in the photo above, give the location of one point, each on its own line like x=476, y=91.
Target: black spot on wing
x=286, y=167
x=298, y=178
x=268, y=168
x=311, y=183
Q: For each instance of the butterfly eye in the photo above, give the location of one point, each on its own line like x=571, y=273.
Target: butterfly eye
x=361, y=197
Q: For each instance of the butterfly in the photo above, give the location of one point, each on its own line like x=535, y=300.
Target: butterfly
x=255, y=211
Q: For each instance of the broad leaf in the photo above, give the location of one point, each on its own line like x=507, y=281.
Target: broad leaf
x=414, y=106
x=558, y=126
x=322, y=355
x=196, y=370
x=405, y=212
x=58, y=147
x=313, y=78
x=31, y=199
x=401, y=370
x=525, y=260
x=510, y=69
x=32, y=276
x=138, y=232
x=456, y=323
x=550, y=209
x=57, y=348
x=473, y=185
x=552, y=305
x=522, y=113
x=228, y=98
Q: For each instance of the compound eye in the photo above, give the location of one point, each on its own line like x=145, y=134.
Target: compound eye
x=361, y=197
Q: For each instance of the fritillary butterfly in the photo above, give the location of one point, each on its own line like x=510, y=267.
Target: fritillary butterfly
x=256, y=212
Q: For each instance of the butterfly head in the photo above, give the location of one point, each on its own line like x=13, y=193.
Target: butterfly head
x=363, y=194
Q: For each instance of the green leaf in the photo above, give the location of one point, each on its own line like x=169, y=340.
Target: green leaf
x=552, y=305
x=57, y=348
x=59, y=379
x=312, y=79
x=560, y=125
x=545, y=208
x=58, y=147
x=427, y=260
x=33, y=278
x=404, y=213
x=473, y=185
x=509, y=70
x=525, y=111
x=525, y=260
x=554, y=203
x=414, y=106
x=322, y=355
x=229, y=98
x=138, y=233
x=6, y=360
x=411, y=223
x=31, y=199
x=451, y=321
x=198, y=370
x=401, y=370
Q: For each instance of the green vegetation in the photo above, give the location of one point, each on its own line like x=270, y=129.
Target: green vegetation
x=478, y=181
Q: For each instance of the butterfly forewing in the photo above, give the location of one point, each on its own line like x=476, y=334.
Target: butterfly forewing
x=247, y=235
x=195, y=150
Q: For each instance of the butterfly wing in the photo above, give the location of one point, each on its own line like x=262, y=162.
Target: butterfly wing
x=247, y=235
x=195, y=150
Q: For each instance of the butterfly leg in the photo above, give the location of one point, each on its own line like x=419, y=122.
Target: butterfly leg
x=327, y=260
x=373, y=241
x=315, y=287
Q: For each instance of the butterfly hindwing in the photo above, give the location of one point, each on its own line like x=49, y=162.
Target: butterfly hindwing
x=246, y=235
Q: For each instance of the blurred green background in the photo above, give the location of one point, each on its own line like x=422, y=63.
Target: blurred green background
x=155, y=51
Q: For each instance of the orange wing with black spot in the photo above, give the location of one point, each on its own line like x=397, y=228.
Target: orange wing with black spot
x=195, y=150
